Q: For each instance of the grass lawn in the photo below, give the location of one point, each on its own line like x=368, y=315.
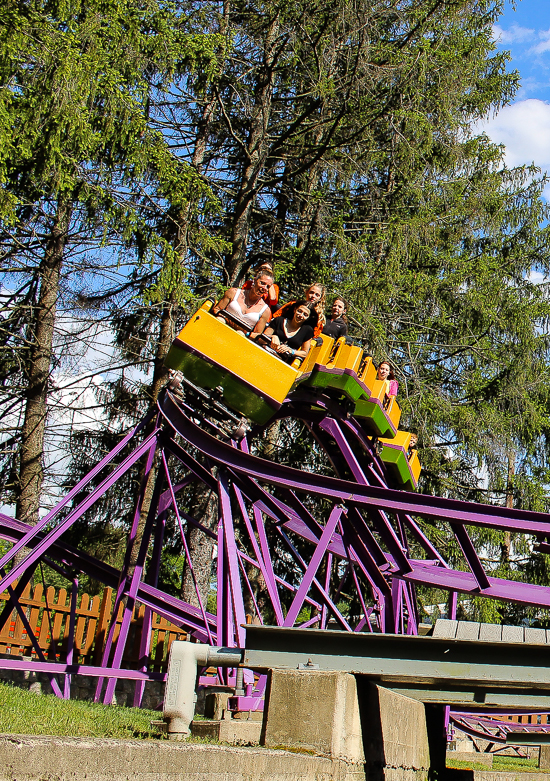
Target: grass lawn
x=25, y=713
x=509, y=764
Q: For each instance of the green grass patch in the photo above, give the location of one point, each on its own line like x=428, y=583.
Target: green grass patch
x=463, y=764
x=516, y=763
x=509, y=764
x=25, y=713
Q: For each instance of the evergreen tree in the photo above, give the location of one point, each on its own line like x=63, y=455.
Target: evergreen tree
x=76, y=80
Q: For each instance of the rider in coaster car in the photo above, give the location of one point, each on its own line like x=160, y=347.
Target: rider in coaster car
x=316, y=295
x=337, y=325
x=272, y=296
x=291, y=333
x=385, y=373
x=247, y=306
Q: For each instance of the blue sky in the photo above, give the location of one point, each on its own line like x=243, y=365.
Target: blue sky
x=524, y=126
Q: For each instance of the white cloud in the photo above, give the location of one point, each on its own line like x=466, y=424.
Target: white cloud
x=544, y=45
x=74, y=403
x=513, y=34
x=524, y=129
x=538, y=278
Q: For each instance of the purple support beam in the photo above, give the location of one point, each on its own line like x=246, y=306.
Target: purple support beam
x=237, y=605
x=51, y=537
x=359, y=529
x=70, y=639
x=313, y=566
x=470, y=555
x=145, y=642
x=44, y=523
x=263, y=556
x=122, y=584
x=324, y=596
x=186, y=548
x=136, y=575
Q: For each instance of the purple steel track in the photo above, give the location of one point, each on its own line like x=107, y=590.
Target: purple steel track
x=341, y=535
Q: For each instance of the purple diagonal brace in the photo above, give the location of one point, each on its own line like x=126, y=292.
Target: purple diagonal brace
x=313, y=566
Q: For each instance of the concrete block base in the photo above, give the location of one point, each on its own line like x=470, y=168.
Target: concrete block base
x=395, y=732
x=215, y=703
x=234, y=731
x=28, y=758
x=313, y=711
x=544, y=757
x=376, y=731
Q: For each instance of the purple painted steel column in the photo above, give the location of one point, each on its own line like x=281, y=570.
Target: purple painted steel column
x=232, y=560
x=221, y=588
x=264, y=563
x=186, y=548
x=138, y=568
x=71, y=638
x=453, y=606
x=153, y=573
x=121, y=589
x=328, y=573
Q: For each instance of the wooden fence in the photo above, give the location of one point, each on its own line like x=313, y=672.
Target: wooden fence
x=525, y=718
x=48, y=615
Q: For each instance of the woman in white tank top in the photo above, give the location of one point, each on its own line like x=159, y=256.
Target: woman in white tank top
x=248, y=306
x=248, y=314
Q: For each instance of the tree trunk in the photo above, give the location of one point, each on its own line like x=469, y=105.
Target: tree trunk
x=200, y=547
x=255, y=152
x=160, y=373
x=41, y=333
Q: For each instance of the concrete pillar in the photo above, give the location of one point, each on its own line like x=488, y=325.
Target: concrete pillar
x=348, y=719
x=313, y=711
x=396, y=739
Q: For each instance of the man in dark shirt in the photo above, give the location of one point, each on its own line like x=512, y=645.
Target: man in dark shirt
x=337, y=325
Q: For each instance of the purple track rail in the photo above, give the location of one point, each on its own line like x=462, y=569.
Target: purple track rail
x=344, y=535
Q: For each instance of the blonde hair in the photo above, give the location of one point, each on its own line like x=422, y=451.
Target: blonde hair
x=260, y=274
x=321, y=304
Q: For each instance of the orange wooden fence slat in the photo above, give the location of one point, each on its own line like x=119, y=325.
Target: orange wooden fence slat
x=48, y=617
x=58, y=618
x=81, y=623
x=90, y=635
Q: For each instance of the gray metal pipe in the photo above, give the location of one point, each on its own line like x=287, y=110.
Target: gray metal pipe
x=180, y=696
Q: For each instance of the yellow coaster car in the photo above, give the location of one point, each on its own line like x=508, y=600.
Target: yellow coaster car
x=255, y=382
x=401, y=460
x=343, y=366
x=211, y=354
x=379, y=414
